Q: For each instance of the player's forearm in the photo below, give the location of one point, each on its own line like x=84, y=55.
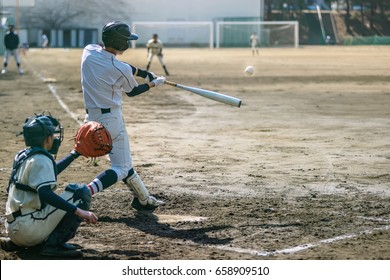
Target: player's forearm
x=46, y=195
x=66, y=161
x=140, y=89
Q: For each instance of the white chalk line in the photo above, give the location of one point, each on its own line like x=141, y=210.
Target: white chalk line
x=54, y=93
x=302, y=247
x=290, y=250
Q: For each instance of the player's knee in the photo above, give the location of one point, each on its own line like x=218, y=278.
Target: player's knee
x=121, y=172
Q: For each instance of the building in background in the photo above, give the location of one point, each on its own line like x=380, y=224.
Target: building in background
x=75, y=23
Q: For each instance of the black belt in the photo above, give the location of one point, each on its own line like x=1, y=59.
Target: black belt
x=17, y=214
x=104, y=111
x=13, y=215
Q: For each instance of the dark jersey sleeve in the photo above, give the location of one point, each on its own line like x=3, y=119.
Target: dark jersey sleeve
x=47, y=195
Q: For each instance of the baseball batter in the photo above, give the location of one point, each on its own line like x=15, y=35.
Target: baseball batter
x=155, y=47
x=35, y=214
x=11, y=42
x=104, y=79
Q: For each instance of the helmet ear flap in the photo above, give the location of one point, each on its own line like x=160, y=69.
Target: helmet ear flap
x=118, y=44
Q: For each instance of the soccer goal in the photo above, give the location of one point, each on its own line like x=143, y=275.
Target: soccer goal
x=175, y=33
x=269, y=33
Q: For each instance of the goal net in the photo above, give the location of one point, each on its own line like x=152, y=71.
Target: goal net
x=269, y=33
x=175, y=33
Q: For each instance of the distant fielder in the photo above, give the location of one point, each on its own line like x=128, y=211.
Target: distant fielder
x=44, y=41
x=11, y=42
x=155, y=47
x=254, y=40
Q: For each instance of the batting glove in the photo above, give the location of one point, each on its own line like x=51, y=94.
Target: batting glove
x=150, y=76
x=159, y=81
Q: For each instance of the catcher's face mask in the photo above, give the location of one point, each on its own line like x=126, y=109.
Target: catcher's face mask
x=39, y=127
x=58, y=135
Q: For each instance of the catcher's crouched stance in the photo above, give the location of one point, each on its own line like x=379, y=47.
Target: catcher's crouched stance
x=35, y=214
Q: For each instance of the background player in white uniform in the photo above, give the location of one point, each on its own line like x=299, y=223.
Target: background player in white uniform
x=104, y=79
x=11, y=42
x=35, y=214
x=155, y=47
x=44, y=41
x=254, y=40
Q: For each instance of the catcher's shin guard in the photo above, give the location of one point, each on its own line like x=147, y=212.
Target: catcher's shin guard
x=64, y=231
x=142, y=200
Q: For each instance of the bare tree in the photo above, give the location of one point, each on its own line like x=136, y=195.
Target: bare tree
x=57, y=14
x=52, y=15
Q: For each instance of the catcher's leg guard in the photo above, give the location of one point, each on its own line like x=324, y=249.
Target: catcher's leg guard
x=64, y=231
x=148, y=66
x=142, y=200
x=56, y=245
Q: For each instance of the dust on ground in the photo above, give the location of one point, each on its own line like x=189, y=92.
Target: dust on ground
x=300, y=171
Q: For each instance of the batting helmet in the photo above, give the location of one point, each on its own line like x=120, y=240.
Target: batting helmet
x=117, y=35
x=36, y=129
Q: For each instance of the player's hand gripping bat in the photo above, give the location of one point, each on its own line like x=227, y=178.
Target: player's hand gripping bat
x=230, y=100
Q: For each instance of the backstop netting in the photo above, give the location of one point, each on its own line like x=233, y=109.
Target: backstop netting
x=175, y=33
x=269, y=33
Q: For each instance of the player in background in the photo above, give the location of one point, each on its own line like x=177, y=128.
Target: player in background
x=104, y=79
x=44, y=41
x=254, y=40
x=155, y=47
x=11, y=42
x=35, y=214
x=24, y=48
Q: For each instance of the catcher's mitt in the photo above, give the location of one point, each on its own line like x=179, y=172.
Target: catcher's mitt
x=92, y=140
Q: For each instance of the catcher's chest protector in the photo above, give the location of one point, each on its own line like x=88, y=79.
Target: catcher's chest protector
x=19, y=159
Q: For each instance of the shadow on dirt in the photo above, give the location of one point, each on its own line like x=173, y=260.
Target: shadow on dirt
x=148, y=223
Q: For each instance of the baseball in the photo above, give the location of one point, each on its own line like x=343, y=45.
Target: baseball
x=249, y=70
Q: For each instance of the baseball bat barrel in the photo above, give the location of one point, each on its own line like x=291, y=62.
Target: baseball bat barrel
x=223, y=98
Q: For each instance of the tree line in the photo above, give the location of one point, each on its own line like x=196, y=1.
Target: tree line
x=370, y=11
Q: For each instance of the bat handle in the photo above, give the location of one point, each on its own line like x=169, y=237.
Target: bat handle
x=171, y=83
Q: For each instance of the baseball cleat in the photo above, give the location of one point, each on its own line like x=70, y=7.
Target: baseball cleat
x=61, y=251
x=8, y=246
x=148, y=208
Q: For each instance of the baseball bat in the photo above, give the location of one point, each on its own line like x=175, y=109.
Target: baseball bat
x=226, y=99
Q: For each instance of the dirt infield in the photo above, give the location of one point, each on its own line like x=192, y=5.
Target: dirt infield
x=300, y=171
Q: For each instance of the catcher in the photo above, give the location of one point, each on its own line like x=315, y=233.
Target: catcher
x=35, y=214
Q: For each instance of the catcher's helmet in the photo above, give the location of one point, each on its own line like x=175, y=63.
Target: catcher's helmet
x=36, y=129
x=117, y=35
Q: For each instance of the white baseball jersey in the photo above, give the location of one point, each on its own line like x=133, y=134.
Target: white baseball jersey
x=45, y=40
x=155, y=47
x=253, y=40
x=35, y=223
x=35, y=172
x=104, y=78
